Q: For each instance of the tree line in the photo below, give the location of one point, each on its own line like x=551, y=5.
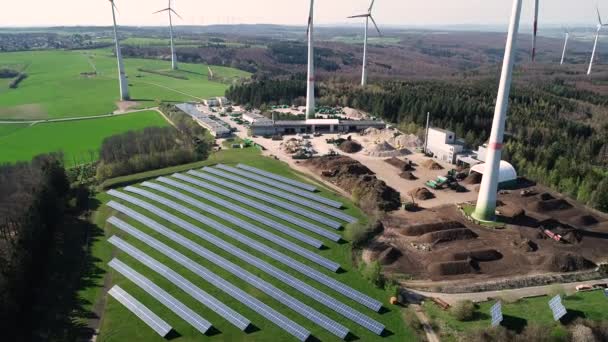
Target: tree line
x=547, y=140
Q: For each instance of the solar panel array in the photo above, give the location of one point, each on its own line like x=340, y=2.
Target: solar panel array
x=496, y=312
x=162, y=296
x=557, y=308
x=258, y=246
x=272, y=183
x=277, y=177
x=146, y=315
x=324, y=262
x=195, y=292
x=286, y=278
x=274, y=201
x=293, y=303
x=262, y=207
x=247, y=213
x=288, y=196
x=220, y=243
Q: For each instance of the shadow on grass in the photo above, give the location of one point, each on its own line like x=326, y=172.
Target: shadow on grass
x=384, y=310
x=252, y=329
x=387, y=333
x=213, y=331
x=571, y=316
x=351, y=337
x=514, y=323
x=172, y=335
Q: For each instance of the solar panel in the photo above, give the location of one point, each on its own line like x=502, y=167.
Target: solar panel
x=293, y=303
x=253, y=177
x=286, y=278
x=161, y=295
x=272, y=200
x=496, y=312
x=262, y=207
x=324, y=262
x=277, y=177
x=195, y=292
x=220, y=243
x=285, y=195
x=557, y=308
x=247, y=213
x=141, y=311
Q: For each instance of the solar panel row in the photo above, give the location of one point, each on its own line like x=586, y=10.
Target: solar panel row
x=247, y=213
x=277, y=177
x=296, y=305
x=258, y=246
x=146, y=315
x=203, y=297
x=262, y=207
x=272, y=200
x=309, y=272
x=324, y=262
x=286, y=195
x=286, y=278
x=161, y=295
x=253, y=177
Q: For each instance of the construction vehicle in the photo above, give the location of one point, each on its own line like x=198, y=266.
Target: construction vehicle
x=552, y=235
x=442, y=181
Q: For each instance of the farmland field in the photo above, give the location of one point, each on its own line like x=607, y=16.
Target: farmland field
x=57, y=86
x=79, y=140
x=118, y=324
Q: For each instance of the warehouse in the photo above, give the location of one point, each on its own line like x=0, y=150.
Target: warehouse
x=507, y=176
x=443, y=145
x=217, y=129
x=287, y=127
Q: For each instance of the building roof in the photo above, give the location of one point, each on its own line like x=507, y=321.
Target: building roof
x=441, y=130
x=506, y=171
x=323, y=122
x=211, y=124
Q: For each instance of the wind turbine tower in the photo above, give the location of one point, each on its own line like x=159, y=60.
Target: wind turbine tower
x=567, y=31
x=122, y=76
x=310, y=90
x=536, y=6
x=367, y=17
x=170, y=10
x=485, y=209
x=597, y=37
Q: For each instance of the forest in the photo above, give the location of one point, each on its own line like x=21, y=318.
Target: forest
x=556, y=135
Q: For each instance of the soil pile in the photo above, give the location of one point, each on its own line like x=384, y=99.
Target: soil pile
x=408, y=175
x=421, y=194
x=448, y=235
x=545, y=196
x=431, y=165
x=402, y=165
x=371, y=193
x=389, y=256
x=584, y=220
x=384, y=149
x=291, y=146
x=473, y=178
x=350, y=146
x=568, y=262
x=409, y=141
x=479, y=255
x=449, y=268
x=511, y=212
x=551, y=205
x=526, y=245
x=422, y=229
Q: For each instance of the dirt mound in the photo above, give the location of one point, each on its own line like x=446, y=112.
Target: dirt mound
x=408, y=175
x=389, y=256
x=584, y=220
x=568, y=262
x=450, y=268
x=402, y=165
x=525, y=245
x=473, y=178
x=448, y=235
x=421, y=194
x=545, y=196
x=510, y=211
x=431, y=165
x=405, y=141
x=430, y=227
x=479, y=255
x=551, y=205
x=350, y=146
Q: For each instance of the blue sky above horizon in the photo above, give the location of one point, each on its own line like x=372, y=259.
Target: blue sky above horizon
x=294, y=12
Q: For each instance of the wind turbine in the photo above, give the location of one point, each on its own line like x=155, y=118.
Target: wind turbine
x=122, y=76
x=367, y=17
x=567, y=31
x=170, y=10
x=536, y=6
x=310, y=89
x=597, y=36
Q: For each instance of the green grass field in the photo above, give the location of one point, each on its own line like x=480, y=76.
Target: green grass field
x=55, y=87
x=79, y=140
x=592, y=305
x=120, y=325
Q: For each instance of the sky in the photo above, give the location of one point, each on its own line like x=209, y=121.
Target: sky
x=295, y=12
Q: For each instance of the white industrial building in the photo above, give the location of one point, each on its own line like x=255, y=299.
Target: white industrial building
x=443, y=145
x=253, y=117
x=283, y=127
x=217, y=129
x=217, y=102
x=507, y=175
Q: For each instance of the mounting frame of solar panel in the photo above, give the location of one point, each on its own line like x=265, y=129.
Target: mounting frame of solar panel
x=220, y=243
x=337, y=213
x=247, y=213
x=286, y=278
x=277, y=294
x=141, y=311
x=162, y=296
x=277, y=177
x=266, y=198
x=259, y=206
x=319, y=260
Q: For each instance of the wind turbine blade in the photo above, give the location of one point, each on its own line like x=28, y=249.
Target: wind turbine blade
x=163, y=10
x=371, y=6
x=599, y=16
x=115, y=8
x=359, y=16
x=375, y=25
x=179, y=16
x=310, y=14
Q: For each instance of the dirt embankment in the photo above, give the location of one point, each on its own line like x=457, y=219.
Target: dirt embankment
x=371, y=193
